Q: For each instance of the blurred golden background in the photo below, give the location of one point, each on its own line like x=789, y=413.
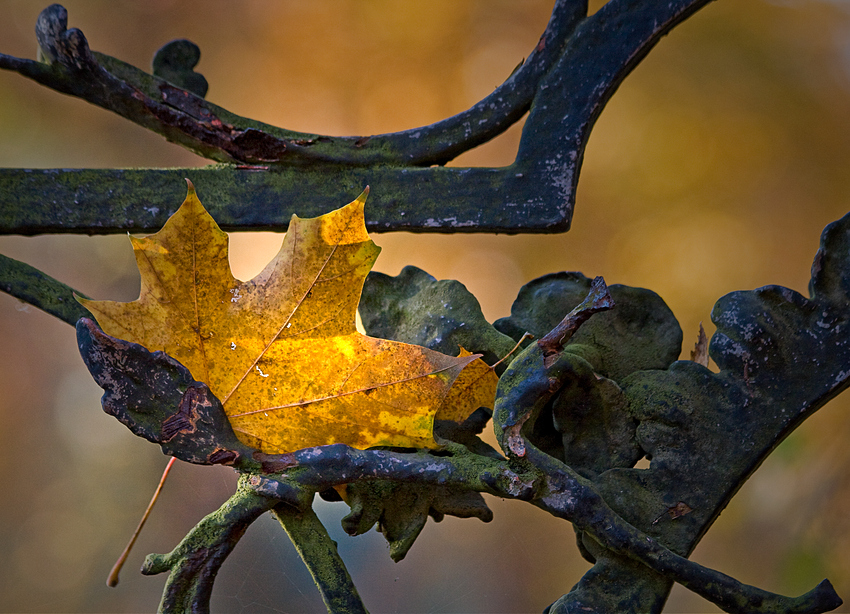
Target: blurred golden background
x=714, y=168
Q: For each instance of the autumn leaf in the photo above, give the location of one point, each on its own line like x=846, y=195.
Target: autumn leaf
x=281, y=351
x=475, y=387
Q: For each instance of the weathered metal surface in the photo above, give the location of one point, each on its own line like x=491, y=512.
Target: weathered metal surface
x=571, y=419
x=319, y=553
x=185, y=118
x=157, y=398
x=704, y=432
x=28, y=284
x=106, y=201
x=413, y=307
x=401, y=510
x=639, y=333
x=136, y=381
x=193, y=565
x=174, y=62
x=707, y=432
x=525, y=389
x=569, y=76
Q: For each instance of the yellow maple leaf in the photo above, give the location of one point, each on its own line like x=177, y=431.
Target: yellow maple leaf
x=281, y=351
x=475, y=387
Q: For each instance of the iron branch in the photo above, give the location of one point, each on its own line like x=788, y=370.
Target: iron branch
x=565, y=83
x=185, y=118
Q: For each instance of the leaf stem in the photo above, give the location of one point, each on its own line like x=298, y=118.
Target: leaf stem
x=525, y=336
x=112, y=579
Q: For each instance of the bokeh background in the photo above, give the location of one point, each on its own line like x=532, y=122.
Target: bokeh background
x=714, y=168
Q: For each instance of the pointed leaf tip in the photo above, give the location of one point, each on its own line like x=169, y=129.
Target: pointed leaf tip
x=363, y=195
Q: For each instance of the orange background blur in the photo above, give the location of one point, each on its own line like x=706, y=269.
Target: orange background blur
x=714, y=168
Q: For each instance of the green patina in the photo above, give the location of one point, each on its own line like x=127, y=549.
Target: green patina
x=319, y=553
x=106, y=201
x=413, y=307
x=194, y=563
x=684, y=401
x=36, y=288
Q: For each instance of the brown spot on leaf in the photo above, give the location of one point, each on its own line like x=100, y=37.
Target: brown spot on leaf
x=184, y=420
x=222, y=457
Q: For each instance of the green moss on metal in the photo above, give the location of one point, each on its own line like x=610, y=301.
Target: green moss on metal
x=39, y=289
x=640, y=332
x=106, y=201
x=194, y=563
x=319, y=553
x=413, y=307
